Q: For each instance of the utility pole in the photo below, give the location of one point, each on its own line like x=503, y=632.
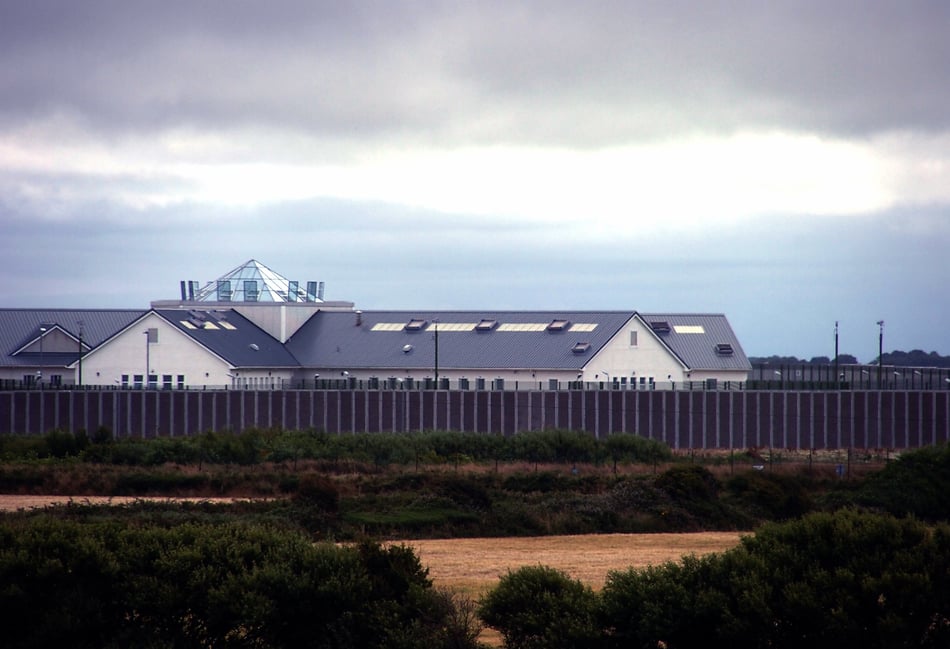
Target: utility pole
x=436, y=324
x=39, y=373
x=880, y=355
x=837, y=379
x=79, y=377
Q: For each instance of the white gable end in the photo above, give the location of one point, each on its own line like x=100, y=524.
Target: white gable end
x=172, y=353
x=634, y=353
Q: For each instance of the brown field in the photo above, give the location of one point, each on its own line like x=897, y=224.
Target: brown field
x=474, y=566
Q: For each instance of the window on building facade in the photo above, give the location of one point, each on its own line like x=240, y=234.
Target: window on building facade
x=125, y=381
x=181, y=381
x=166, y=381
x=633, y=338
x=137, y=381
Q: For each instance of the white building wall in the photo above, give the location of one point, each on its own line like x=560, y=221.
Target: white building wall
x=174, y=354
x=522, y=378
x=648, y=358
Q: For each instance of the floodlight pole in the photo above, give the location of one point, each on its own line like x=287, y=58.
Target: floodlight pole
x=436, y=325
x=837, y=378
x=39, y=373
x=147, y=347
x=880, y=355
x=79, y=377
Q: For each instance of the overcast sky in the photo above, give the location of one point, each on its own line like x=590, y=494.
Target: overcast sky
x=785, y=163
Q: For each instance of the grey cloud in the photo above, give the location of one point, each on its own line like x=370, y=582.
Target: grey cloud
x=542, y=72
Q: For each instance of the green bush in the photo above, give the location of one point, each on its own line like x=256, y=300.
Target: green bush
x=826, y=580
x=771, y=496
x=64, y=583
x=537, y=607
x=915, y=484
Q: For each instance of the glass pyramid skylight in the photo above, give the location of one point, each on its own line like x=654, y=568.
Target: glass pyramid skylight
x=252, y=281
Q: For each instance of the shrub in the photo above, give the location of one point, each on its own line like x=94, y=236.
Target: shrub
x=916, y=484
x=537, y=607
x=65, y=583
x=826, y=580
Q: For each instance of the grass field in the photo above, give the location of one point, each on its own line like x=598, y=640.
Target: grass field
x=472, y=567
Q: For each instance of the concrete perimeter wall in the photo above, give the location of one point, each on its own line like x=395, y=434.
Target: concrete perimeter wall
x=684, y=420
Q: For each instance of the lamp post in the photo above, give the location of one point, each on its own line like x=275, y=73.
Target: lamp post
x=79, y=376
x=837, y=378
x=880, y=355
x=39, y=372
x=436, y=330
x=148, y=341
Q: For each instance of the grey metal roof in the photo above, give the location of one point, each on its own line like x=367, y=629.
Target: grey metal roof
x=698, y=351
x=333, y=339
x=233, y=337
x=19, y=327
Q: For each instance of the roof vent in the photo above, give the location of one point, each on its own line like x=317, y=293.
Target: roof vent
x=416, y=324
x=486, y=324
x=254, y=347
x=660, y=327
x=406, y=349
x=359, y=318
x=558, y=325
x=580, y=348
x=724, y=349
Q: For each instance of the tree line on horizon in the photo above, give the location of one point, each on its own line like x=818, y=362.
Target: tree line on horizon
x=897, y=358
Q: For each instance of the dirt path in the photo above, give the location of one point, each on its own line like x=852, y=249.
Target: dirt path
x=12, y=503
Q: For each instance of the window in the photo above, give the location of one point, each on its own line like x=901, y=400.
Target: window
x=633, y=338
x=416, y=324
x=558, y=325
x=486, y=324
x=137, y=381
x=724, y=349
x=166, y=381
x=580, y=348
x=152, y=381
x=56, y=379
x=125, y=381
x=181, y=381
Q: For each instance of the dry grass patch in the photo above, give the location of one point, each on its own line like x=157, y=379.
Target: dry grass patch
x=12, y=503
x=474, y=566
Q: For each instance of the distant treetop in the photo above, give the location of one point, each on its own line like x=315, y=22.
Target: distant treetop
x=915, y=358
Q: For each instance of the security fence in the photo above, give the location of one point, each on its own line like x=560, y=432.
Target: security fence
x=884, y=419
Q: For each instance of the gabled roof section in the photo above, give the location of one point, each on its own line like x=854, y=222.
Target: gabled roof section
x=230, y=336
x=20, y=333
x=467, y=339
x=699, y=340
x=252, y=281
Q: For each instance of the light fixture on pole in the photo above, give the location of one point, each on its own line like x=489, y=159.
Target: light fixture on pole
x=79, y=377
x=39, y=372
x=435, y=329
x=836, y=355
x=880, y=355
x=151, y=336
